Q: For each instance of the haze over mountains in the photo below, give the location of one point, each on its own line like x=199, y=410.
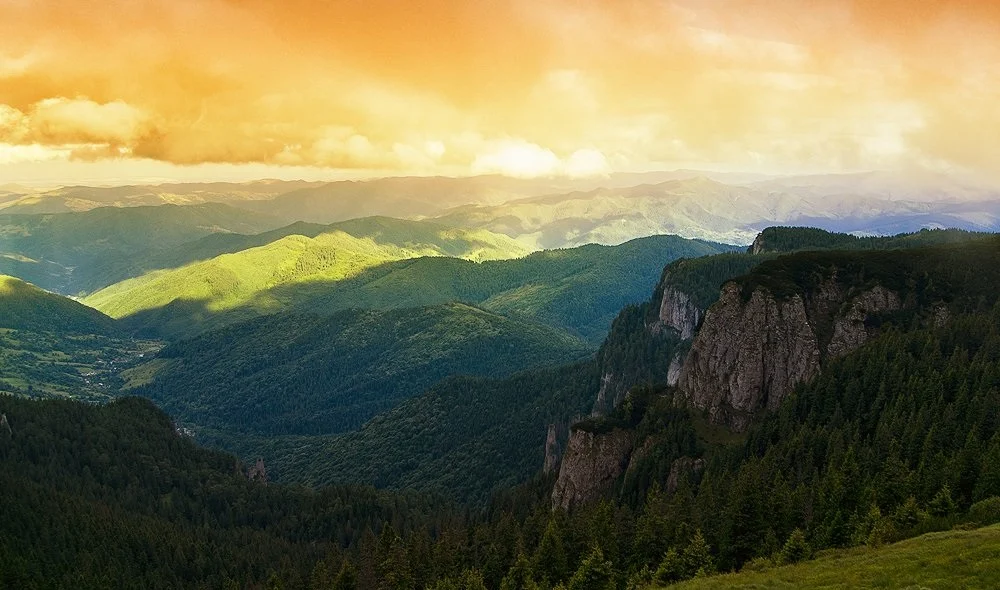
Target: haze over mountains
x=559, y=212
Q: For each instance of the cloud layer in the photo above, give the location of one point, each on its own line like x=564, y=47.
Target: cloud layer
x=525, y=87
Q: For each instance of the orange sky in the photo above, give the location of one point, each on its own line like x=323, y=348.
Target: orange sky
x=129, y=89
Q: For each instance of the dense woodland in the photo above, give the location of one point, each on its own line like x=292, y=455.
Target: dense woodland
x=291, y=374
x=898, y=438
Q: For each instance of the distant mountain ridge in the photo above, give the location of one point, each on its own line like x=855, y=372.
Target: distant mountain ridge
x=562, y=212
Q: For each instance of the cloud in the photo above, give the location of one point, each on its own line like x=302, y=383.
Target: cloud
x=56, y=121
x=515, y=86
x=516, y=158
x=519, y=158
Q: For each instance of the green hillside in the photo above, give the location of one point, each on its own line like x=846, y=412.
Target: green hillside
x=288, y=374
x=579, y=290
x=78, y=252
x=24, y=306
x=51, y=346
x=248, y=282
x=471, y=245
x=954, y=559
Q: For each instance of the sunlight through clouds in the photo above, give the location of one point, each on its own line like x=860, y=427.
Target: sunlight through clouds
x=546, y=87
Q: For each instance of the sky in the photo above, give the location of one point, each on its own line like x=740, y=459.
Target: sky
x=127, y=90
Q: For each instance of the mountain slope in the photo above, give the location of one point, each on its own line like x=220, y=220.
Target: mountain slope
x=465, y=437
x=51, y=346
x=111, y=496
x=24, y=306
x=579, y=290
x=427, y=441
x=247, y=279
x=287, y=374
x=74, y=252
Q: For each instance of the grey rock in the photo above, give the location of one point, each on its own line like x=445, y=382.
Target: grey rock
x=849, y=329
x=590, y=466
x=552, y=451
x=677, y=312
x=748, y=356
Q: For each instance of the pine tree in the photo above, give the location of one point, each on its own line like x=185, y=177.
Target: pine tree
x=519, y=577
x=550, y=559
x=942, y=504
x=796, y=548
x=671, y=568
x=697, y=556
x=594, y=573
x=347, y=578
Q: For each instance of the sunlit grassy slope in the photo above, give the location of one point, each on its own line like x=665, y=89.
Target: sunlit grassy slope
x=339, y=252
x=954, y=559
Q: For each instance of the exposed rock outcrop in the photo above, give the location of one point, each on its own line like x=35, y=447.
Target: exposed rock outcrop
x=552, y=451
x=606, y=395
x=751, y=353
x=5, y=426
x=674, y=370
x=849, y=328
x=748, y=355
x=591, y=465
x=757, y=247
x=678, y=312
x=257, y=472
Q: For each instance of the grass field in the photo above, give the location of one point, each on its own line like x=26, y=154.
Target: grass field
x=952, y=559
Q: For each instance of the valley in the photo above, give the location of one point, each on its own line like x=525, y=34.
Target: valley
x=499, y=295
x=636, y=413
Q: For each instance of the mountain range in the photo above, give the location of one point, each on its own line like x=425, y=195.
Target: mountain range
x=557, y=213
x=531, y=408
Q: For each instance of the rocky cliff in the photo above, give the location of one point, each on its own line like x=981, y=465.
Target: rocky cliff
x=591, y=464
x=552, y=451
x=677, y=311
x=752, y=351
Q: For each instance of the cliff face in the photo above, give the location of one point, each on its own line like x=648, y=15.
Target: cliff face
x=750, y=354
x=552, y=451
x=591, y=465
x=678, y=312
x=849, y=329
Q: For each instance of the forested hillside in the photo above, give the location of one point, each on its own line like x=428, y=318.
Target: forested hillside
x=111, y=496
x=895, y=438
x=71, y=253
x=307, y=375
x=24, y=306
x=579, y=290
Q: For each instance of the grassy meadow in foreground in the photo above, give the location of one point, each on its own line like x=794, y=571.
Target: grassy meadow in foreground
x=952, y=559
